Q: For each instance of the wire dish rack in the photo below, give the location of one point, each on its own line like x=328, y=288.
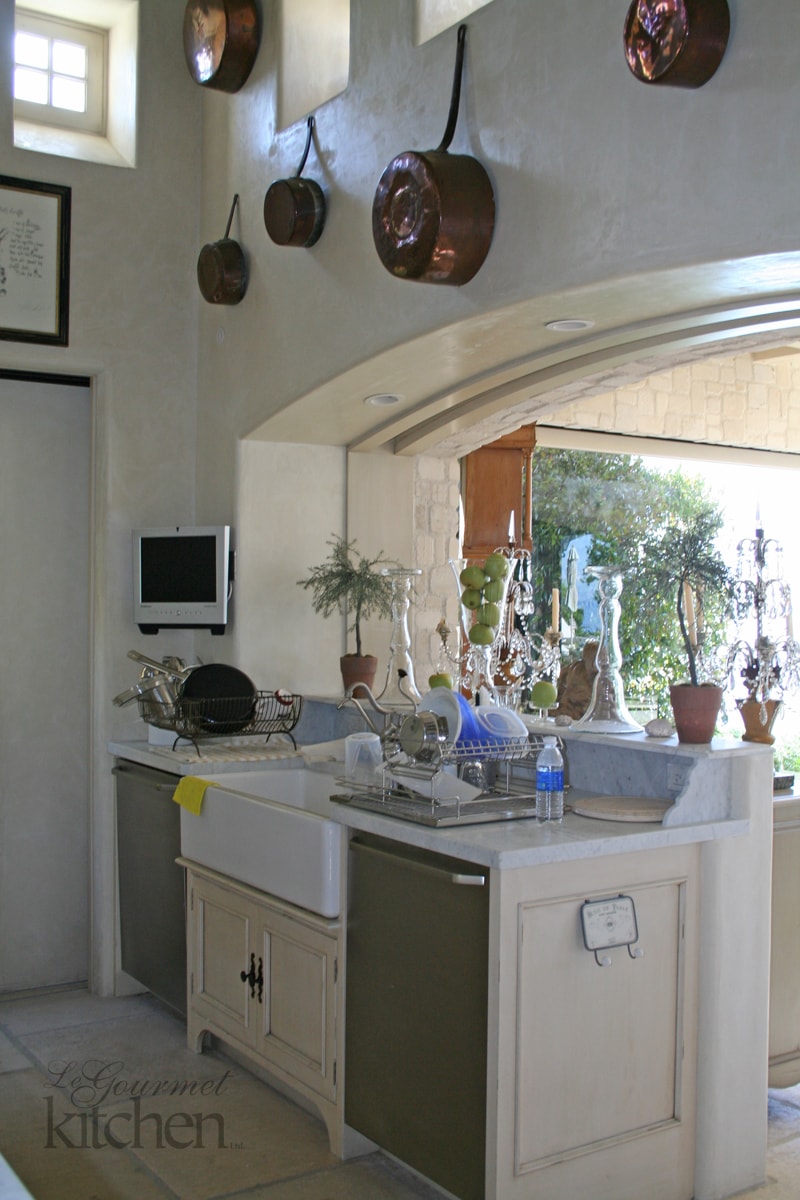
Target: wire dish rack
x=443, y=792
x=260, y=714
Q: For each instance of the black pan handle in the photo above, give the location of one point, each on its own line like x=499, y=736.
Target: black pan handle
x=230, y=218
x=455, y=95
x=310, y=125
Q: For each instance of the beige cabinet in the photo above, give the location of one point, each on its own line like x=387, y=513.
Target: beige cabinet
x=263, y=977
x=595, y=1065
x=784, y=980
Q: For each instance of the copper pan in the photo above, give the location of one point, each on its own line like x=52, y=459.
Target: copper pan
x=294, y=209
x=220, y=42
x=433, y=212
x=676, y=42
x=221, y=268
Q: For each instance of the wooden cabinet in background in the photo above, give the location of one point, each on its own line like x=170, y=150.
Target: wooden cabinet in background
x=496, y=483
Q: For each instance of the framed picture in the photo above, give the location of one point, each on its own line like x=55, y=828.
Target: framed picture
x=34, y=261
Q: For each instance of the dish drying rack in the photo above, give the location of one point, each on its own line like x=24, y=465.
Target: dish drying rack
x=427, y=793
x=261, y=715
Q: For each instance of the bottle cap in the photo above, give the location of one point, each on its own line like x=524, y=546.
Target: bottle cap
x=549, y=741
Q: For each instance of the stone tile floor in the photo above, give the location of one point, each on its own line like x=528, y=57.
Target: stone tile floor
x=73, y=1128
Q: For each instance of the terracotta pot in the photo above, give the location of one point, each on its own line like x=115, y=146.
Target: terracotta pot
x=695, y=710
x=358, y=669
x=756, y=729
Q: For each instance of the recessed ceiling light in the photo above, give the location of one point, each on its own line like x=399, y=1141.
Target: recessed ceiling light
x=383, y=400
x=569, y=325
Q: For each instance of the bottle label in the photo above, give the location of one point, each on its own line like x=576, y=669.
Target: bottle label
x=549, y=779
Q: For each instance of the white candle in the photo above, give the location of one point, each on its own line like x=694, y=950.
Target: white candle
x=511, y=528
x=555, y=612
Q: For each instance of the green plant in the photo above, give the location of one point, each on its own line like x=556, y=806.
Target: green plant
x=684, y=564
x=348, y=583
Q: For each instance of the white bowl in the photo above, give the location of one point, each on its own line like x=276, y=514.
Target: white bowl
x=499, y=722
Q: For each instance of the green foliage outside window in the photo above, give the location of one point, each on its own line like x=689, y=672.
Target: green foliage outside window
x=624, y=506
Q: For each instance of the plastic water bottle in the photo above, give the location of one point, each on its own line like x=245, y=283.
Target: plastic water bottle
x=549, y=782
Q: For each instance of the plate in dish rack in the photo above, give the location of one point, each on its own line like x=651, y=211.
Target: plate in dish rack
x=621, y=808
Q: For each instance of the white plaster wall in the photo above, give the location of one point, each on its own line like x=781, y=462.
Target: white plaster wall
x=133, y=328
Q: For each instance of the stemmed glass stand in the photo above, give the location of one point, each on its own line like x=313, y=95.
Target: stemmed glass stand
x=607, y=712
x=400, y=689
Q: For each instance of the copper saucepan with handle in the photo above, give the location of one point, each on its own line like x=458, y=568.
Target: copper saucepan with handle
x=221, y=268
x=294, y=209
x=433, y=212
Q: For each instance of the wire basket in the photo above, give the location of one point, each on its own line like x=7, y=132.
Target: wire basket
x=264, y=714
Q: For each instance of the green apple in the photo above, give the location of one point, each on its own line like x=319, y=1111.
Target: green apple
x=543, y=694
x=471, y=598
x=481, y=635
x=496, y=566
x=472, y=577
x=440, y=680
x=489, y=614
x=493, y=592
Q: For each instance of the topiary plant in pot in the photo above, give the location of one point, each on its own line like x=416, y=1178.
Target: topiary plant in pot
x=685, y=564
x=347, y=582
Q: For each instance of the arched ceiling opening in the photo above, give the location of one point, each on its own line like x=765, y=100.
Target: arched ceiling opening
x=458, y=387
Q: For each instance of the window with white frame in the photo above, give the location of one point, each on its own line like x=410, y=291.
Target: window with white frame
x=60, y=71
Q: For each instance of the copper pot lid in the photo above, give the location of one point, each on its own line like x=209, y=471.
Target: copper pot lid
x=220, y=42
x=676, y=42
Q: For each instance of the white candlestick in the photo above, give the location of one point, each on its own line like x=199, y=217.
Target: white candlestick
x=555, y=611
x=511, y=528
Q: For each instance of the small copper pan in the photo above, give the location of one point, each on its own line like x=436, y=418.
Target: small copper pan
x=221, y=268
x=676, y=42
x=220, y=42
x=294, y=209
x=433, y=212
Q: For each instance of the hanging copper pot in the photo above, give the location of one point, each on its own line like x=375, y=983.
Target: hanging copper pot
x=220, y=41
x=676, y=42
x=221, y=268
x=294, y=209
x=433, y=212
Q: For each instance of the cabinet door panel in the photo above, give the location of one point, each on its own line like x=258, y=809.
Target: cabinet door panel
x=784, y=983
x=624, y=1022
x=297, y=1020
x=221, y=952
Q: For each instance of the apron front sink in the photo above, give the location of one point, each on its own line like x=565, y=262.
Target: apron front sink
x=261, y=828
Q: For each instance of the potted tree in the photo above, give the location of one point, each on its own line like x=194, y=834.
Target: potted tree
x=686, y=565
x=347, y=582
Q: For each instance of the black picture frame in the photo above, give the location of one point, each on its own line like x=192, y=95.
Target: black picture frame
x=34, y=261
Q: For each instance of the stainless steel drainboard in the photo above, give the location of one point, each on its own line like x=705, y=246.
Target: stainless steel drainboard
x=409, y=806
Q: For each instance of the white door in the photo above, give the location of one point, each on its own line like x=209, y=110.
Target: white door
x=44, y=683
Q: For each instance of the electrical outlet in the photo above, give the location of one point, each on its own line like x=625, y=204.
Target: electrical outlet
x=677, y=774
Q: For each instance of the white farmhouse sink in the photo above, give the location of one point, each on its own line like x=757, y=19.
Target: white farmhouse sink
x=260, y=827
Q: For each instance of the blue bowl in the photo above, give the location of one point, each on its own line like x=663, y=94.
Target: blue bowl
x=470, y=725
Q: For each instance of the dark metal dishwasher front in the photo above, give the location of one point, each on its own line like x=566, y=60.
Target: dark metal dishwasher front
x=416, y=1017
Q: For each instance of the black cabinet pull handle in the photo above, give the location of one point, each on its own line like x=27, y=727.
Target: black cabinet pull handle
x=260, y=981
x=250, y=976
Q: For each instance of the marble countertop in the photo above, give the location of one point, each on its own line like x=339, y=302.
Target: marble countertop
x=502, y=844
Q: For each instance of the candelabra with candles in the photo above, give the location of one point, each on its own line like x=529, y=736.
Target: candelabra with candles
x=768, y=661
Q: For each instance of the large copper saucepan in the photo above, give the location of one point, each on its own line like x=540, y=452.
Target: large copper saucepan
x=433, y=212
x=220, y=41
